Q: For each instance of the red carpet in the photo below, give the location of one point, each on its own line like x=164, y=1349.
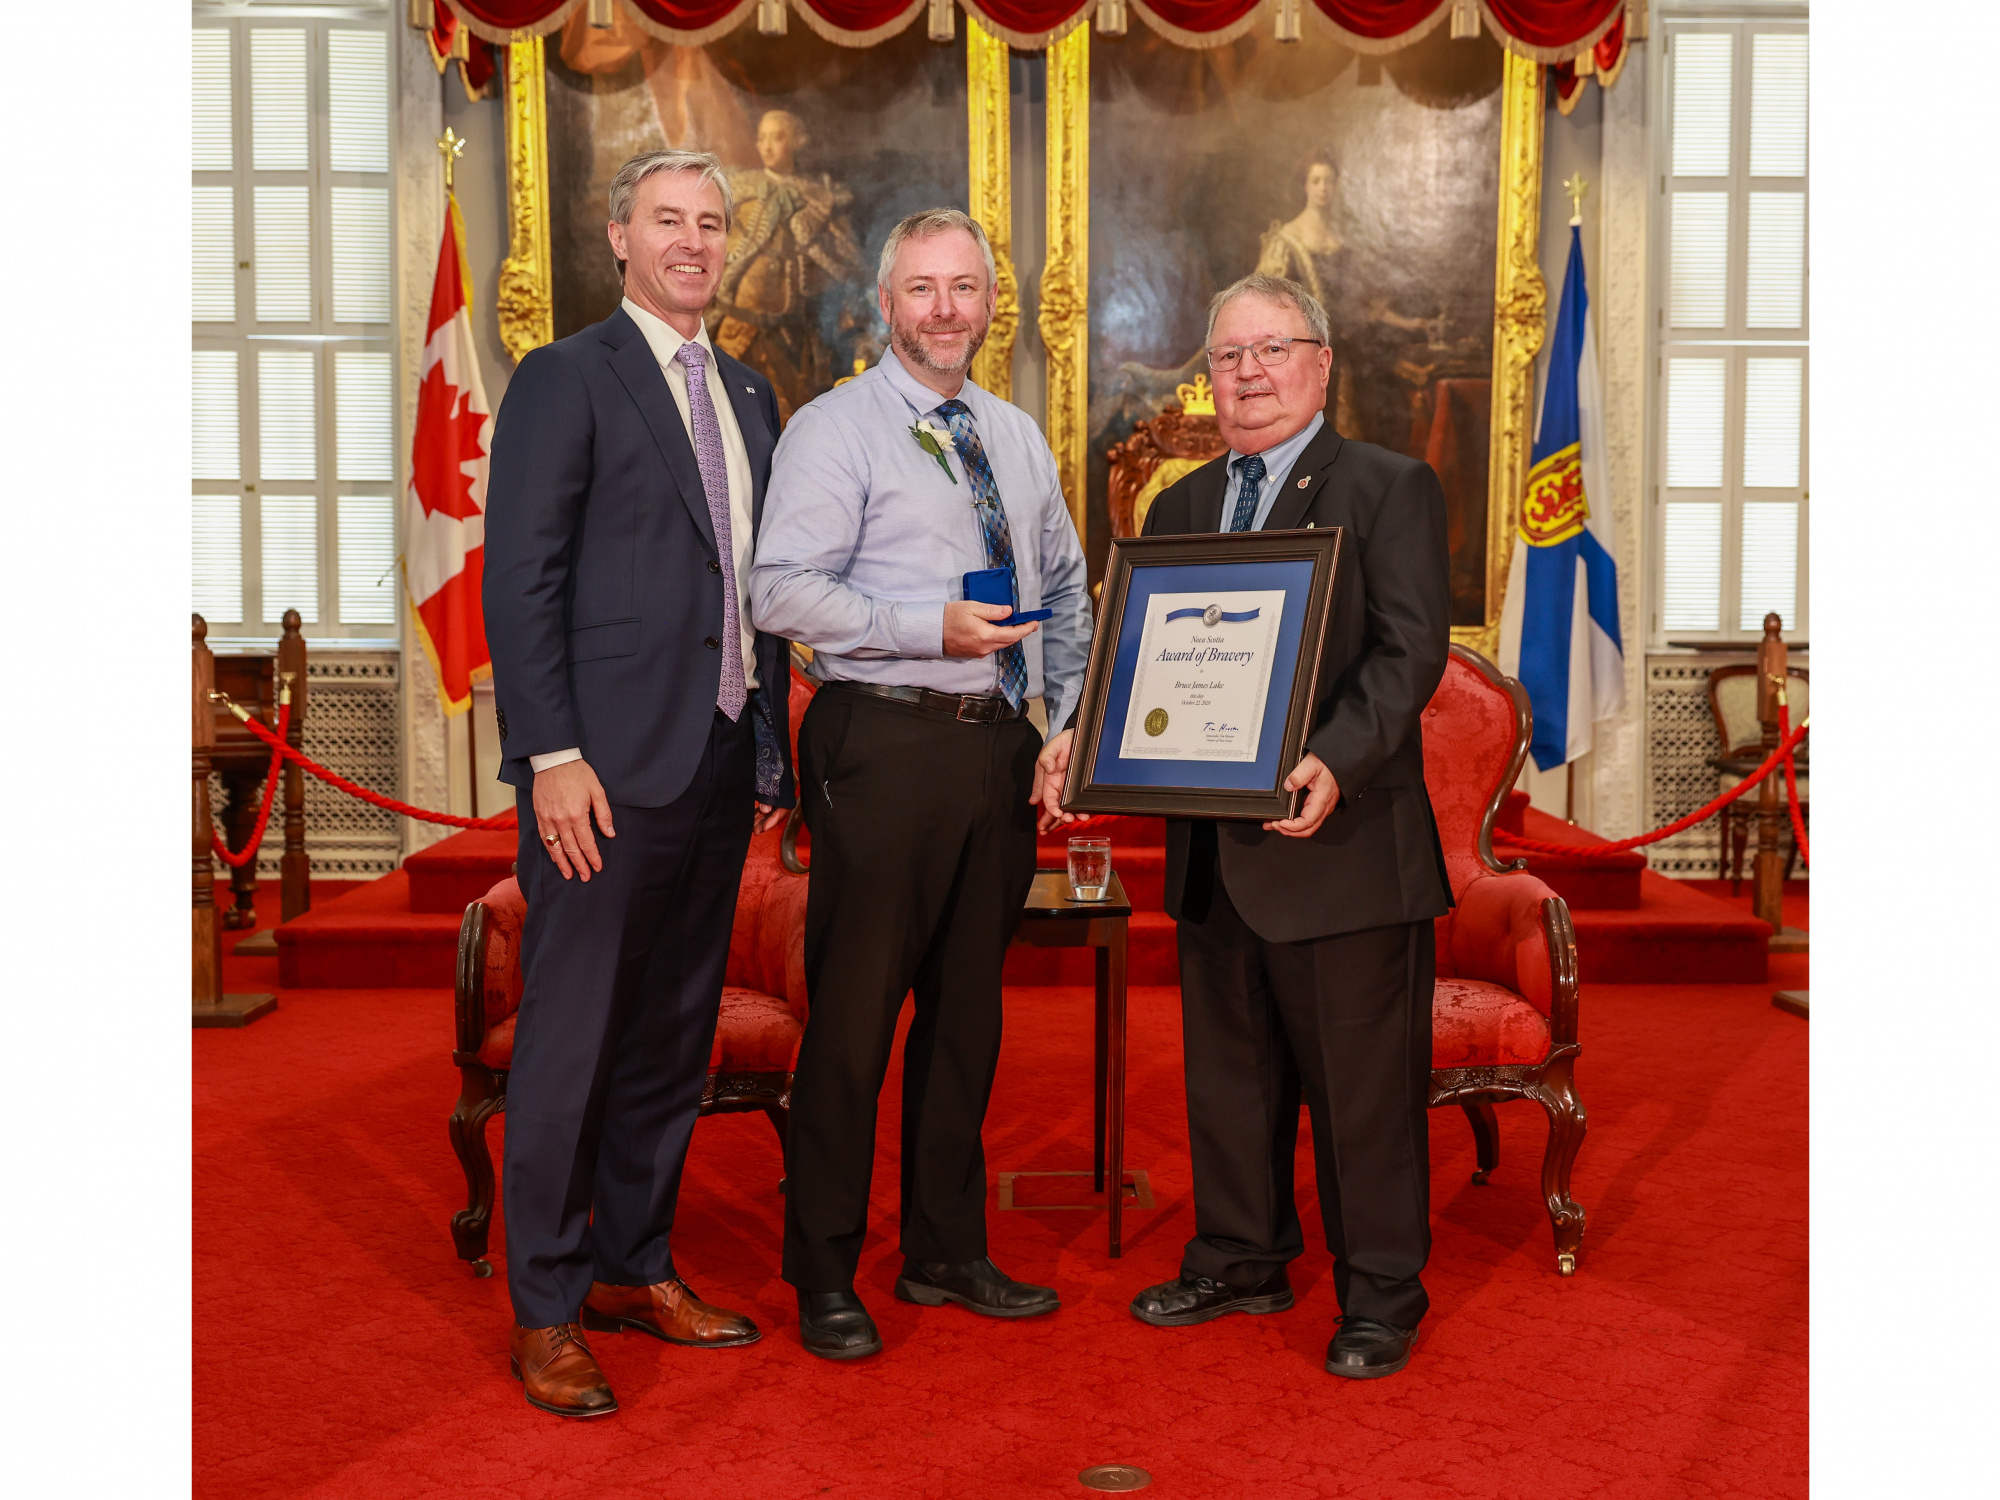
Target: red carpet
x=342, y=1350
x=1632, y=926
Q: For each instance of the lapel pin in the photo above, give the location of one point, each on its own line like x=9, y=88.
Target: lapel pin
x=1304, y=482
x=749, y=390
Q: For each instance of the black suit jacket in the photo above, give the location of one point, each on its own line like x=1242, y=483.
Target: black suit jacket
x=1376, y=859
x=603, y=590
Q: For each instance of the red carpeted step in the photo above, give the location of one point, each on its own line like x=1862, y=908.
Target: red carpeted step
x=369, y=939
x=1676, y=935
x=455, y=872
x=1606, y=883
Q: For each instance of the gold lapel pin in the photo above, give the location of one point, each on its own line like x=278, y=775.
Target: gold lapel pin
x=1306, y=481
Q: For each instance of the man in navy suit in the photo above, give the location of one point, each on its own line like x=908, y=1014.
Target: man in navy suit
x=644, y=725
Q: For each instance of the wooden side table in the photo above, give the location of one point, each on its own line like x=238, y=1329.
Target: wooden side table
x=1052, y=920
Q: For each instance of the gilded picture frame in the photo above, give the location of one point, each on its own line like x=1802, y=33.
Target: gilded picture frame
x=525, y=298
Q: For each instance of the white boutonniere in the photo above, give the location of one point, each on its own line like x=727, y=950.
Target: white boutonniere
x=934, y=440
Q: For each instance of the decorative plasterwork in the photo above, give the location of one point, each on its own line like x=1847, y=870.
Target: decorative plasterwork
x=525, y=300
x=992, y=197
x=1065, y=312
x=1520, y=307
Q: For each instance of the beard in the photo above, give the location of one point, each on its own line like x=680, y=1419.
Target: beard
x=905, y=337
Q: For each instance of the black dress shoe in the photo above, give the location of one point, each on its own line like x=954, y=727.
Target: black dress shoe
x=977, y=1284
x=834, y=1325
x=1187, y=1300
x=1366, y=1350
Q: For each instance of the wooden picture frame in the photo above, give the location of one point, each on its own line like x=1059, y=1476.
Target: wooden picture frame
x=1218, y=562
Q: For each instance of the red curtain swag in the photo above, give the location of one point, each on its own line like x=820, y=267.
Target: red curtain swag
x=1551, y=31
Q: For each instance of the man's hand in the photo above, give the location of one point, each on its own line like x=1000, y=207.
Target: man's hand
x=1051, y=770
x=1310, y=772
x=565, y=797
x=767, y=817
x=968, y=631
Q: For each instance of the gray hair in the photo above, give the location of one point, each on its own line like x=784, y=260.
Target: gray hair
x=1272, y=289
x=625, y=186
x=921, y=227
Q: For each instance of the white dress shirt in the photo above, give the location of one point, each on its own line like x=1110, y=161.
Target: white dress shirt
x=867, y=536
x=665, y=342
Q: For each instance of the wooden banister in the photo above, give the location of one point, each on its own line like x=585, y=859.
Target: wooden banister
x=211, y=1006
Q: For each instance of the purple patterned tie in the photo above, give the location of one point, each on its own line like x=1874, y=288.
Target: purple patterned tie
x=708, y=453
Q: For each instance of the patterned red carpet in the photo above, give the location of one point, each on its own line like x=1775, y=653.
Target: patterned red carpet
x=341, y=1349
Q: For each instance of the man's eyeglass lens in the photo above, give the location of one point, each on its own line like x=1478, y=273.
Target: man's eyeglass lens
x=1265, y=351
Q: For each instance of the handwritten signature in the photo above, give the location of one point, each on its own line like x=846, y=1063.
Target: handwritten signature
x=1211, y=727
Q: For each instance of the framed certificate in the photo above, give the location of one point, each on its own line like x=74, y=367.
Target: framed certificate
x=1203, y=673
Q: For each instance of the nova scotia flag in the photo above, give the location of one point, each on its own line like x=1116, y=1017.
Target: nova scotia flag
x=1559, y=624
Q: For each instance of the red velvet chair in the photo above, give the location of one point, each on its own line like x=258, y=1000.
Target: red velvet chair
x=1504, y=1016
x=756, y=1038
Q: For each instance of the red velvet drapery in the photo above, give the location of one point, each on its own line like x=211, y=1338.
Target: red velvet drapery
x=1547, y=30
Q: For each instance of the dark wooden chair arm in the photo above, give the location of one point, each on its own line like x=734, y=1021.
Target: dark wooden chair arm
x=788, y=841
x=1561, y=935
x=469, y=992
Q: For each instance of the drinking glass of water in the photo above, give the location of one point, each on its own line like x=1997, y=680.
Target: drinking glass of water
x=1089, y=868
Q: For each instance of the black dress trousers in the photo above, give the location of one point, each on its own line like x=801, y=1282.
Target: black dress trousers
x=622, y=982
x=1345, y=1022
x=923, y=850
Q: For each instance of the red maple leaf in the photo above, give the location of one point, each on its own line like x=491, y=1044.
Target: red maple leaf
x=447, y=439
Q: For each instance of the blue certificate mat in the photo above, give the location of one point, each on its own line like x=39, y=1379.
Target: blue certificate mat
x=1211, y=650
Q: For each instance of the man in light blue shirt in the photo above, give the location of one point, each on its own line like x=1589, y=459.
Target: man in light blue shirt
x=920, y=768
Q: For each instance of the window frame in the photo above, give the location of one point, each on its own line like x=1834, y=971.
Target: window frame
x=318, y=335
x=1734, y=342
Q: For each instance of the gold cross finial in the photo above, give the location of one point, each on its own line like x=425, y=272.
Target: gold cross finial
x=1576, y=187
x=452, y=146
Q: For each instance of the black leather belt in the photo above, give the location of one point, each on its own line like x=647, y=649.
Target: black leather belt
x=967, y=708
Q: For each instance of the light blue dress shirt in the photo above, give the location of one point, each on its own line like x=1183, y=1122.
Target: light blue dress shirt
x=1278, y=463
x=864, y=540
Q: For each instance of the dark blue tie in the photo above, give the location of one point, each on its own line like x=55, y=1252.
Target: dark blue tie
x=1249, y=479
x=993, y=527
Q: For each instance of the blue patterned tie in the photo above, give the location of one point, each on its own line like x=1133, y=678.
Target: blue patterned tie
x=999, y=540
x=1249, y=479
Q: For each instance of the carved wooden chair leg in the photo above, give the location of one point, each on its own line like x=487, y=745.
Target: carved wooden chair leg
x=1485, y=1138
x=1557, y=1095
x=483, y=1095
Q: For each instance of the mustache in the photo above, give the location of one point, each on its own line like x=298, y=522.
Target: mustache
x=959, y=326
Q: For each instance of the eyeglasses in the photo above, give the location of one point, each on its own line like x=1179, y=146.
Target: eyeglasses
x=1267, y=352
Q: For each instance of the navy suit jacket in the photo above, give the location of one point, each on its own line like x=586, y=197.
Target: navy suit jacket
x=603, y=585
x=1376, y=860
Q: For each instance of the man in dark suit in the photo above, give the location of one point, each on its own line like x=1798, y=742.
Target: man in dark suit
x=644, y=724
x=1306, y=944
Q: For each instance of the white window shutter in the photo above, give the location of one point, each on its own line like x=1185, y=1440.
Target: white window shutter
x=291, y=557
x=368, y=578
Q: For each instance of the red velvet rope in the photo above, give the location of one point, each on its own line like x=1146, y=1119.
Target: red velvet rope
x=1780, y=756
x=238, y=861
x=1792, y=790
x=335, y=779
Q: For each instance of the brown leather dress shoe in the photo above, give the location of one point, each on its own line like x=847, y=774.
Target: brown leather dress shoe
x=558, y=1373
x=667, y=1310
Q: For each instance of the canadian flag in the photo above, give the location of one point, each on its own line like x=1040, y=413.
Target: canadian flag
x=444, y=517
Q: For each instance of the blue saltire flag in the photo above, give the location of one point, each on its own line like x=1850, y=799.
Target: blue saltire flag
x=1559, y=624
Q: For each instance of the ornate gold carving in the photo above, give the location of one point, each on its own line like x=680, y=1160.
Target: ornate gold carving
x=992, y=197
x=1065, y=312
x=524, y=300
x=1197, y=396
x=1520, y=307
